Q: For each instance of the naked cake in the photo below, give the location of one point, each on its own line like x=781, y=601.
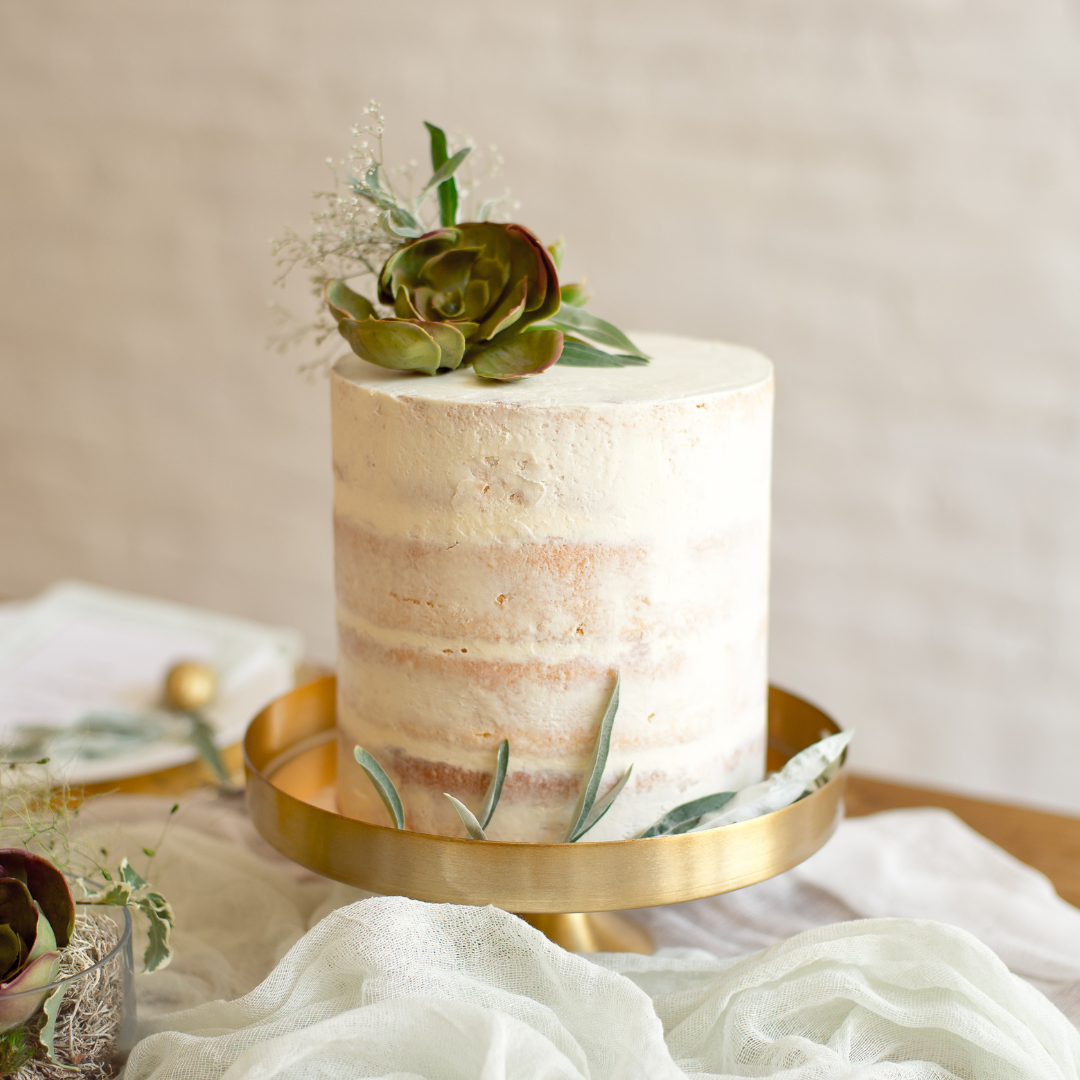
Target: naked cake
x=503, y=549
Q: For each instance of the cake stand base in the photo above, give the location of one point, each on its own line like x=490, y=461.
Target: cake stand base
x=597, y=931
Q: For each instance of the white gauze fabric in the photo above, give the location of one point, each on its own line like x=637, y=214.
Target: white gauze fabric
x=399, y=989
x=394, y=988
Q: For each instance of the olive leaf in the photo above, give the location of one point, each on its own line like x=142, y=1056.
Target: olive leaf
x=604, y=805
x=587, y=797
x=448, y=193
x=686, y=816
x=383, y=785
x=498, y=777
x=588, y=325
x=472, y=826
x=577, y=353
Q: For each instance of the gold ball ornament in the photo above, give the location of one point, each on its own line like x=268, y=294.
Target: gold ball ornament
x=190, y=685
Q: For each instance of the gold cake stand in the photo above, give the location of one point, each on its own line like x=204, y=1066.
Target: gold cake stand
x=568, y=891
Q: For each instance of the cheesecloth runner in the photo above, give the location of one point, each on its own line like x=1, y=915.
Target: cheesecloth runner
x=389, y=987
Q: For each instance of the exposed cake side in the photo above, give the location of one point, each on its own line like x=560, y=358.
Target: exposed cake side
x=502, y=550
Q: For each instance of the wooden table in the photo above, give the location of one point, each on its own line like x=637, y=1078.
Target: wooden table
x=1049, y=842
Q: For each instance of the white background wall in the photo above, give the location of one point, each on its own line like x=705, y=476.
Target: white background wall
x=883, y=195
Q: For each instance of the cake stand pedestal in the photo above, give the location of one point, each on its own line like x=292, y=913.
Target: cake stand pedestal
x=568, y=891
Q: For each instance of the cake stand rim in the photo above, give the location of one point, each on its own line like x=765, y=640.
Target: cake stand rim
x=521, y=876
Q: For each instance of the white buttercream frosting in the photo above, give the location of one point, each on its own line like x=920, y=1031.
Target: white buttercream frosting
x=503, y=548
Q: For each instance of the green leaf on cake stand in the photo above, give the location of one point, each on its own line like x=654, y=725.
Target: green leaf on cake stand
x=588, y=811
x=684, y=818
x=472, y=826
x=475, y=826
x=382, y=784
x=498, y=778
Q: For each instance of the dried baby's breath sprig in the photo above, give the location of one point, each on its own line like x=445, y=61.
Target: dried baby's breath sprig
x=350, y=239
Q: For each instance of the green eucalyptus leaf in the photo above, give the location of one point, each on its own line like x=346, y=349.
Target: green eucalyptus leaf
x=400, y=224
x=686, y=816
x=448, y=193
x=596, y=767
x=601, y=807
x=393, y=343
x=472, y=826
x=370, y=187
x=522, y=354
x=498, y=777
x=344, y=303
x=383, y=785
x=487, y=208
x=595, y=329
x=577, y=353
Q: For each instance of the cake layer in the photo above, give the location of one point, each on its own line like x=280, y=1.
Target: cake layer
x=502, y=550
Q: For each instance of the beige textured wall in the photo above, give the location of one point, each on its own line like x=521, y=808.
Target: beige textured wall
x=884, y=195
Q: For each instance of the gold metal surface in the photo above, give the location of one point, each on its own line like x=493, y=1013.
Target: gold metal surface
x=190, y=686
x=598, y=931
x=290, y=758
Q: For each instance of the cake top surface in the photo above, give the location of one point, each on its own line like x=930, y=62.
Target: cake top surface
x=680, y=368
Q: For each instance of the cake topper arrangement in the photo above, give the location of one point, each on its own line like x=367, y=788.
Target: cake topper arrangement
x=443, y=284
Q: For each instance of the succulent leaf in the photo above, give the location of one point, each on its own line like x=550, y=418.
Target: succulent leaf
x=11, y=950
x=518, y=355
x=346, y=304
x=393, y=343
x=557, y=251
x=17, y=1004
x=17, y=911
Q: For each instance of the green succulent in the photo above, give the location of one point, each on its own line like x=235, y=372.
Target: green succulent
x=37, y=918
x=461, y=294
x=476, y=293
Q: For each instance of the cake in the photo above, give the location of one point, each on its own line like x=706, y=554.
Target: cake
x=504, y=549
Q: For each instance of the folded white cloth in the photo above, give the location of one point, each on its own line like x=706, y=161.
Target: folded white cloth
x=393, y=988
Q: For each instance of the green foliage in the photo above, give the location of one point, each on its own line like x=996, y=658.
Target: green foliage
x=683, y=818
x=382, y=784
x=475, y=825
x=588, y=811
x=498, y=778
x=460, y=294
x=468, y=819
x=448, y=293
x=130, y=889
